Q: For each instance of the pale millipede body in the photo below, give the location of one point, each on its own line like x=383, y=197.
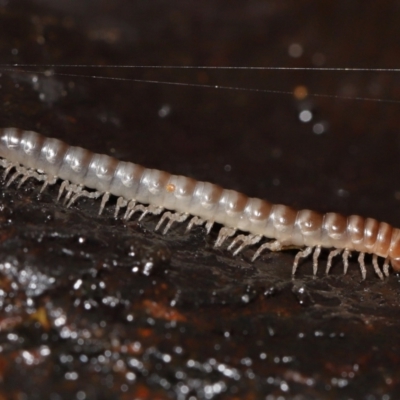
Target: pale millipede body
x=152, y=191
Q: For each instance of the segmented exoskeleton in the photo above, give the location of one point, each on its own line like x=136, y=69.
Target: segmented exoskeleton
x=151, y=191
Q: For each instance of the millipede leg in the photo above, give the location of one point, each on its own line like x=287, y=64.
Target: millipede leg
x=19, y=171
x=129, y=208
x=272, y=246
x=24, y=179
x=138, y=207
x=194, y=221
x=104, y=200
x=72, y=189
x=121, y=202
x=316, y=254
x=376, y=266
x=31, y=173
x=44, y=186
x=247, y=240
x=345, y=256
x=301, y=254
x=386, y=265
x=209, y=225
x=8, y=169
x=223, y=234
x=332, y=254
x=48, y=181
x=63, y=185
x=83, y=193
x=13, y=177
x=150, y=209
x=362, y=265
x=173, y=217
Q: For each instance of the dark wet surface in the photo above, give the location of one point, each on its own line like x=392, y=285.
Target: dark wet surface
x=94, y=308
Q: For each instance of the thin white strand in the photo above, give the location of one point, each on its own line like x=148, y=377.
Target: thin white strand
x=218, y=67
x=234, y=88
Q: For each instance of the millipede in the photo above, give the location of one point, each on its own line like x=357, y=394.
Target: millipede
x=178, y=198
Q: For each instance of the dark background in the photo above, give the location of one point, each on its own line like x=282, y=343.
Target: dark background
x=93, y=308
